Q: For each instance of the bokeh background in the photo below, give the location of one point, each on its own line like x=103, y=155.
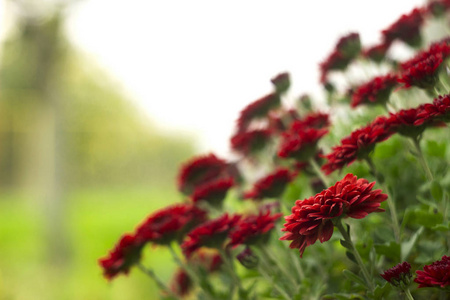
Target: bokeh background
x=100, y=101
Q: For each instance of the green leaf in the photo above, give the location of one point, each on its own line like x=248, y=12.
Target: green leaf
x=381, y=291
x=433, y=148
x=391, y=250
x=423, y=217
x=441, y=227
x=343, y=296
x=408, y=245
x=346, y=244
x=436, y=191
x=353, y=277
x=351, y=256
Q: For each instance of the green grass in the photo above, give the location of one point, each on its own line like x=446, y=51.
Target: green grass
x=94, y=220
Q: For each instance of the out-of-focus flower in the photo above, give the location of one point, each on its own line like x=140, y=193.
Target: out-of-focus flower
x=423, y=75
x=317, y=120
x=375, y=91
x=398, y=275
x=211, y=234
x=438, y=48
x=357, y=145
x=281, y=82
x=438, y=8
x=125, y=254
x=439, y=110
x=251, y=141
x=312, y=218
x=270, y=186
x=406, y=29
x=405, y=122
x=301, y=144
x=208, y=259
x=199, y=170
x=435, y=275
x=181, y=283
x=253, y=229
x=213, y=192
x=257, y=110
x=247, y=258
x=349, y=45
x=376, y=53
x=170, y=223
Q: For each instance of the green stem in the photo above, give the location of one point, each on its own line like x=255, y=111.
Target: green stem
x=270, y=257
x=347, y=238
x=161, y=285
x=274, y=284
x=422, y=159
x=408, y=294
x=390, y=199
x=293, y=257
x=319, y=172
x=231, y=270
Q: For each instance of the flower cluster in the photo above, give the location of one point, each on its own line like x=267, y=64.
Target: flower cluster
x=312, y=218
x=270, y=186
x=435, y=275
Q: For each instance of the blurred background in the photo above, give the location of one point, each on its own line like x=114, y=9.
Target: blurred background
x=100, y=101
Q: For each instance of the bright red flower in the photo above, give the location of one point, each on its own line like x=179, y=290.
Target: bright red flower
x=125, y=254
x=439, y=48
x=170, y=223
x=406, y=29
x=250, y=142
x=211, y=234
x=181, y=283
x=377, y=53
x=257, y=110
x=270, y=186
x=253, y=229
x=302, y=144
x=213, y=192
x=281, y=82
x=311, y=219
x=401, y=273
x=358, y=145
x=198, y=170
x=423, y=74
x=435, y=275
x=376, y=91
x=438, y=110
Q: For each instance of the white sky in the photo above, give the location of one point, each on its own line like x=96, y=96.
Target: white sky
x=192, y=65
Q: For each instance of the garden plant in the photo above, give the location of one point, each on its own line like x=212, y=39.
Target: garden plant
x=364, y=172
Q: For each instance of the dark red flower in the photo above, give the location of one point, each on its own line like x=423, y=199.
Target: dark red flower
x=399, y=274
x=253, y=229
x=211, y=234
x=213, y=192
x=281, y=82
x=170, y=223
x=270, y=186
x=311, y=219
x=406, y=29
x=439, y=48
x=302, y=144
x=423, y=74
x=198, y=170
x=438, y=8
x=439, y=110
x=377, y=53
x=317, y=120
x=404, y=122
x=257, y=110
x=125, y=254
x=250, y=142
x=376, y=91
x=181, y=283
x=435, y=275
x=358, y=145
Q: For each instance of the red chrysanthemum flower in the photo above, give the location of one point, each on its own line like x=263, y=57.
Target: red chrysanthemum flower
x=170, y=223
x=316, y=120
x=335, y=62
x=435, y=275
x=181, y=283
x=399, y=274
x=281, y=82
x=405, y=122
x=125, y=254
x=250, y=142
x=376, y=53
x=423, y=74
x=253, y=229
x=211, y=234
x=198, y=170
x=439, y=48
x=302, y=144
x=279, y=120
x=213, y=192
x=311, y=219
x=358, y=145
x=438, y=110
x=406, y=29
x=376, y=91
x=257, y=110
x=270, y=186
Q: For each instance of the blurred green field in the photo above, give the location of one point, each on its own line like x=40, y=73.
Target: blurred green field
x=95, y=219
